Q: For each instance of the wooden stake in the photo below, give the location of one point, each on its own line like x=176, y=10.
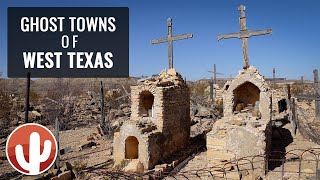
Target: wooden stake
x=27, y=98
x=274, y=77
x=103, y=120
x=56, y=135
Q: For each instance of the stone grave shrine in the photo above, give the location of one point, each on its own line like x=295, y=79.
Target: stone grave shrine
x=159, y=124
x=245, y=130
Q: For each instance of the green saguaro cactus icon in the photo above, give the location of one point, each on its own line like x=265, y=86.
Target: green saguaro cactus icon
x=35, y=158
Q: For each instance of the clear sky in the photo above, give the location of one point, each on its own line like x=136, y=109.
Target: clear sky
x=293, y=48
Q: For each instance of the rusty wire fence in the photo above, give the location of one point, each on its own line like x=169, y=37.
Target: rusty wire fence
x=294, y=164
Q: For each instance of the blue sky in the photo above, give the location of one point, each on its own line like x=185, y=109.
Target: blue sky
x=293, y=48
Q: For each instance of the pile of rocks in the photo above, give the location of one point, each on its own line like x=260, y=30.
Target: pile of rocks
x=168, y=77
x=202, y=118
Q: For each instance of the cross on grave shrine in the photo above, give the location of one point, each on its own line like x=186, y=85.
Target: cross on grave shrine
x=214, y=81
x=170, y=40
x=244, y=34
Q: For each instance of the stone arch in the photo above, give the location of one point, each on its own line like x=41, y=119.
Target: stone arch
x=146, y=104
x=245, y=94
x=131, y=148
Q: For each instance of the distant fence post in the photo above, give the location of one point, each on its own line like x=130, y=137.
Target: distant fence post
x=56, y=135
x=103, y=120
x=274, y=78
x=316, y=86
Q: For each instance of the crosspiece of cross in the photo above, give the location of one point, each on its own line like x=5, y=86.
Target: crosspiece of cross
x=215, y=73
x=170, y=40
x=244, y=34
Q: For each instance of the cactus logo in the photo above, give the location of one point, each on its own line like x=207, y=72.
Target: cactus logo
x=31, y=149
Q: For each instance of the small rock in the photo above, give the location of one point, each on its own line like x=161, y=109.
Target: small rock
x=65, y=150
x=66, y=166
x=172, y=72
x=236, y=122
x=65, y=175
x=140, y=167
x=55, y=178
x=203, y=112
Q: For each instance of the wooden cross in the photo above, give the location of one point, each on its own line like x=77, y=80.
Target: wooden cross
x=170, y=40
x=244, y=34
x=214, y=81
x=215, y=73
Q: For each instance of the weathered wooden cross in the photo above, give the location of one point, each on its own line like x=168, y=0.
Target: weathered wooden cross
x=170, y=40
x=215, y=74
x=244, y=34
x=214, y=80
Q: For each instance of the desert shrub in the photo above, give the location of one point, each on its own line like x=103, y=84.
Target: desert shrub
x=197, y=93
x=297, y=88
x=198, y=89
x=59, y=103
x=5, y=108
x=34, y=97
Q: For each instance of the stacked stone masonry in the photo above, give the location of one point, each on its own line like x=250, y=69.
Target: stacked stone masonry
x=160, y=120
x=245, y=130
